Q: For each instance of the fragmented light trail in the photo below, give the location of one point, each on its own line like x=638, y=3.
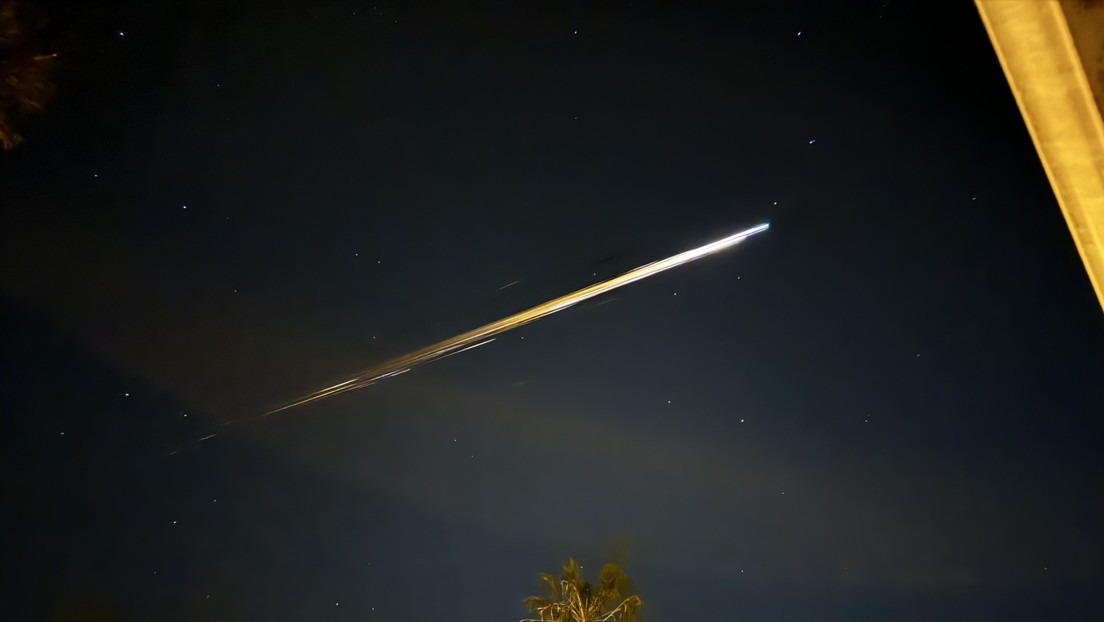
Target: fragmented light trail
x=485, y=334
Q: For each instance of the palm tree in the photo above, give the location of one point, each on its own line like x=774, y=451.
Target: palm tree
x=572, y=599
x=25, y=73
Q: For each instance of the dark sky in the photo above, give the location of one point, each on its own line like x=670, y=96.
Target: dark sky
x=886, y=407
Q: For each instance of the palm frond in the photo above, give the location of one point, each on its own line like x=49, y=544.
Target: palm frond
x=551, y=584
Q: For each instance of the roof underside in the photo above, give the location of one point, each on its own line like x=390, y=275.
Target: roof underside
x=1052, y=52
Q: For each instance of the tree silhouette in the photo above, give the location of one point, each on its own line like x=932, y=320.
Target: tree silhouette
x=573, y=599
x=25, y=72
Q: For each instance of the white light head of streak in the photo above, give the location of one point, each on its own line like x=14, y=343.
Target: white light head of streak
x=699, y=252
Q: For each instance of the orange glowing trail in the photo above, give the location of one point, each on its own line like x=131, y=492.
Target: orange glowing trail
x=484, y=334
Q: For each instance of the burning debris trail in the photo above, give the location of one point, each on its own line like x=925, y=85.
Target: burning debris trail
x=484, y=334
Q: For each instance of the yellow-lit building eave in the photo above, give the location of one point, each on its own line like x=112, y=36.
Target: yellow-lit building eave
x=1040, y=58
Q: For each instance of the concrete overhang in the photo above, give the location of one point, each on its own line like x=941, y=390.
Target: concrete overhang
x=1052, y=52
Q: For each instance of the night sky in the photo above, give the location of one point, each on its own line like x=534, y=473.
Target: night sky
x=886, y=407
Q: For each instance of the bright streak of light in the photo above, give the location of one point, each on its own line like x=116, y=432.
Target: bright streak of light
x=482, y=335
x=481, y=343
